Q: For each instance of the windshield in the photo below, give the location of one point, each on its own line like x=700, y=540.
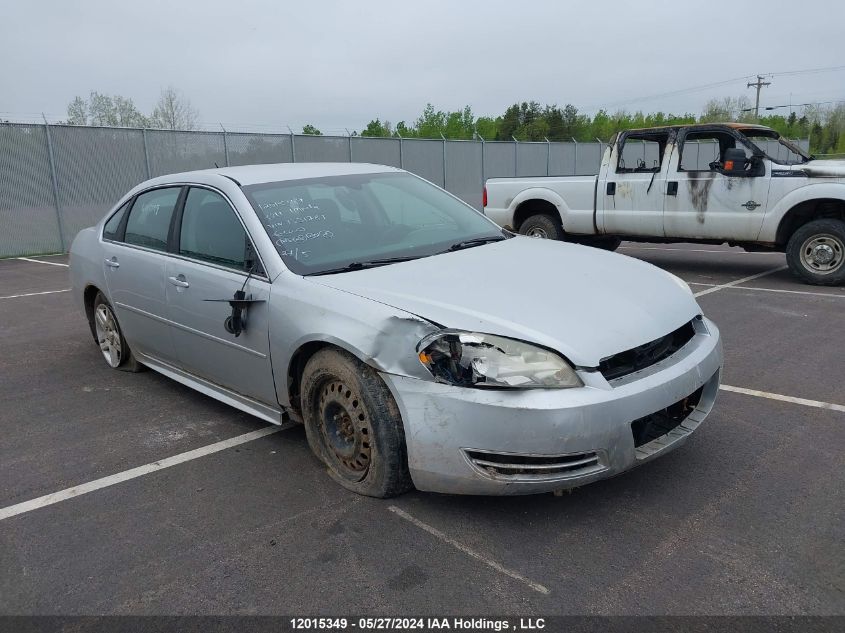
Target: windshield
x=776, y=148
x=322, y=224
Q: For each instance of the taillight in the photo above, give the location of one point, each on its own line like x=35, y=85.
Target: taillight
x=484, y=197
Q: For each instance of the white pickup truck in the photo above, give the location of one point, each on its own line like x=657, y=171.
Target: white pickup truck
x=711, y=183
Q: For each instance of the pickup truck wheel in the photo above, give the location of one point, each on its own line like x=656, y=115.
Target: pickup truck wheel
x=353, y=425
x=816, y=252
x=542, y=226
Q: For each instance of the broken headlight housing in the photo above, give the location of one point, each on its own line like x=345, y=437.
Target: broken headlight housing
x=470, y=359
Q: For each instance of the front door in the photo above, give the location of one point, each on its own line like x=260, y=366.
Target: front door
x=215, y=259
x=703, y=203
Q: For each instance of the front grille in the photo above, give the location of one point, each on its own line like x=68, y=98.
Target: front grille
x=661, y=422
x=534, y=466
x=638, y=358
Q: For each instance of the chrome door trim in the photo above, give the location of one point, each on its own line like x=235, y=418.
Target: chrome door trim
x=192, y=330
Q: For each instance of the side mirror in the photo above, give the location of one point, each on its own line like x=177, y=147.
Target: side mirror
x=734, y=162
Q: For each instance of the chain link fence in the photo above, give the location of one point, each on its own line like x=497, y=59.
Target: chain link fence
x=58, y=179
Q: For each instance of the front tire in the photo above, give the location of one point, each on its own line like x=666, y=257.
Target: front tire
x=353, y=425
x=542, y=226
x=816, y=252
x=109, y=337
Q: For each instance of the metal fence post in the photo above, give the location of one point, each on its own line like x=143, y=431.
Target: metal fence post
x=515, y=157
x=55, y=182
x=601, y=151
x=292, y=146
x=444, y=159
x=575, y=158
x=349, y=140
x=483, y=179
x=146, y=153
x=401, y=153
x=225, y=145
x=548, y=156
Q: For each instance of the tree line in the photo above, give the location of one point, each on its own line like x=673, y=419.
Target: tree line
x=526, y=121
x=529, y=121
x=172, y=111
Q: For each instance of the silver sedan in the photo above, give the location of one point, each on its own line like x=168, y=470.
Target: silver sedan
x=419, y=344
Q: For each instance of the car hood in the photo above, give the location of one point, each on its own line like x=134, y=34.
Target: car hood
x=823, y=168
x=583, y=302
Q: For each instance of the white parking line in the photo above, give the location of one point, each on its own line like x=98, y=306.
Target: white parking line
x=738, y=281
x=39, y=261
x=32, y=294
x=697, y=250
x=776, y=396
x=469, y=552
x=111, y=480
x=792, y=292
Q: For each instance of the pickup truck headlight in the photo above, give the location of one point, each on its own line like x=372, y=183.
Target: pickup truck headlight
x=470, y=359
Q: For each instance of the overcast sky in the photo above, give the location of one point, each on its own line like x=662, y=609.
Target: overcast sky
x=263, y=63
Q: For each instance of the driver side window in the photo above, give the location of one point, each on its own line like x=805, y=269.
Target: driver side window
x=702, y=151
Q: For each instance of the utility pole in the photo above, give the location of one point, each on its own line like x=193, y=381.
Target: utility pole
x=758, y=84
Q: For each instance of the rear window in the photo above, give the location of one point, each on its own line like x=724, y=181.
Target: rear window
x=111, y=230
x=149, y=219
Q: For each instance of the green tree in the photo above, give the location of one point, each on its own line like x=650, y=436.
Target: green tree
x=377, y=128
x=310, y=129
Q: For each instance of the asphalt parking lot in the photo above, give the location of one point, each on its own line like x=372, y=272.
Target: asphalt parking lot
x=746, y=518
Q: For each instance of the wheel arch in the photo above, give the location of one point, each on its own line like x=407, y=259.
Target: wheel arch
x=88, y=296
x=538, y=200
x=305, y=350
x=807, y=211
x=799, y=207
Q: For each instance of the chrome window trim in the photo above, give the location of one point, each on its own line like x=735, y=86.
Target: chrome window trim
x=228, y=200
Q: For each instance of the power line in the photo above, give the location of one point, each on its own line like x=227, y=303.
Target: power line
x=797, y=105
x=718, y=84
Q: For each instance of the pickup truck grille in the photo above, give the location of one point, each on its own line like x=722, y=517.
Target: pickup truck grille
x=638, y=358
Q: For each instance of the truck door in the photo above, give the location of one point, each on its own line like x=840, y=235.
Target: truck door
x=631, y=194
x=702, y=202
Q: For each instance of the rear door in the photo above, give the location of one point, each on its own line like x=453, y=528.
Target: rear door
x=632, y=194
x=135, y=263
x=212, y=259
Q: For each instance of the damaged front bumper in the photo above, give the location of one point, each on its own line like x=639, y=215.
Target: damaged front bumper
x=499, y=442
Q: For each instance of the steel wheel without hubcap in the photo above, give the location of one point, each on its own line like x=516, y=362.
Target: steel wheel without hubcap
x=823, y=254
x=344, y=430
x=538, y=232
x=108, y=335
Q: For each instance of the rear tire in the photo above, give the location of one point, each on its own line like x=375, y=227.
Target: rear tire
x=109, y=337
x=816, y=252
x=353, y=425
x=542, y=226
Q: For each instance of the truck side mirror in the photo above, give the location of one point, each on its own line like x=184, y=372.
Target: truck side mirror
x=734, y=162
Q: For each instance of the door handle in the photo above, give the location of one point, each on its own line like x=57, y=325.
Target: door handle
x=179, y=281
x=672, y=188
x=112, y=263
x=611, y=188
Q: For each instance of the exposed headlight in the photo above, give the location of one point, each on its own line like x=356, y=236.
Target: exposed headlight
x=469, y=359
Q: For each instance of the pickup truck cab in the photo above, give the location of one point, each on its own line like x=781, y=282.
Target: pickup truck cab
x=712, y=183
